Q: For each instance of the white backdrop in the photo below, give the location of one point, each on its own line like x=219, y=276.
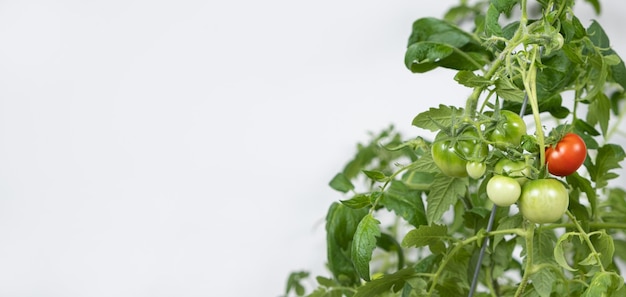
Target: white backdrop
x=183, y=148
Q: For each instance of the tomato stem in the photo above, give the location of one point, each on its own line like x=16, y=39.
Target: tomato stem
x=530, y=234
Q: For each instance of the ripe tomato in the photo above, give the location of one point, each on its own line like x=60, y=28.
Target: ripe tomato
x=567, y=156
x=451, y=156
x=543, y=200
x=515, y=169
x=509, y=130
x=503, y=190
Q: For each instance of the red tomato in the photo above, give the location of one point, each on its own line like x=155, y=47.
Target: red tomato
x=567, y=156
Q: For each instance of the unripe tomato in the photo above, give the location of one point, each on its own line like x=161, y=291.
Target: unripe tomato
x=508, y=131
x=543, y=201
x=567, y=156
x=452, y=159
x=475, y=169
x=503, y=191
x=515, y=169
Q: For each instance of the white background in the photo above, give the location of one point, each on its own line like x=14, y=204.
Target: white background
x=183, y=148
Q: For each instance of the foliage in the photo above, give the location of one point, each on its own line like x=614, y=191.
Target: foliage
x=406, y=228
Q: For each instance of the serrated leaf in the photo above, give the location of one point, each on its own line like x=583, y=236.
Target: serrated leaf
x=437, y=117
x=492, y=25
x=341, y=183
x=424, y=56
x=609, y=156
x=503, y=6
x=386, y=284
x=618, y=71
x=375, y=175
x=507, y=222
x=584, y=185
x=471, y=80
x=425, y=164
x=405, y=203
x=341, y=224
x=357, y=201
x=598, y=36
x=294, y=282
x=425, y=235
x=363, y=245
x=604, y=284
x=444, y=192
x=418, y=180
x=543, y=281
x=600, y=112
x=508, y=91
x=604, y=246
x=559, y=250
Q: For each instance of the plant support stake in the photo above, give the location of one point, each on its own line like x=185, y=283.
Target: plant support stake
x=492, y=217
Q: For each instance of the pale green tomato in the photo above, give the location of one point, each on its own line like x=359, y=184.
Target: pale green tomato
x=543, y=201
x=503, y=191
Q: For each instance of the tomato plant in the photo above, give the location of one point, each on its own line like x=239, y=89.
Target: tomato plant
x=475, y=211
x=567, y=155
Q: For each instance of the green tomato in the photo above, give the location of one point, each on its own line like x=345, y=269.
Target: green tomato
x=543, y=201
x=475, y=169
x=508, y=131
x=515, y=169
x=503, y=191
x=451, y=157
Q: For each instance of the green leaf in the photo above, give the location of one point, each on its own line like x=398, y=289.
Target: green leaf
x=600, y=112
x=425, y=235
x=405, y=203
x=445, y=191
x=508, y=91
x=604, y=246
x=618, y=71
x=438, y=31
x=504, y=6
x=559, y=250
x=492, y=25
x=437, y=117
x=341, y=224
x=507, y=222
x=608, y=158
x=543, y=281
x=425, y=164
x=294, y=283
x=341, y=183
x=604, y=284
x=424, y=56
x=471, y=80
x=434, y=42
x=357, y=201
x=386, y=284
x=376, y=175
x=364, y=243
x=417, y=180
x=543, y=246
x=584, y=185
x=598, y=36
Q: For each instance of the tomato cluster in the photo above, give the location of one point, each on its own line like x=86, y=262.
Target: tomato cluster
x=512, y=178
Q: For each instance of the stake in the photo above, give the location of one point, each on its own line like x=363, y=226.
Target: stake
x=492, y=217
